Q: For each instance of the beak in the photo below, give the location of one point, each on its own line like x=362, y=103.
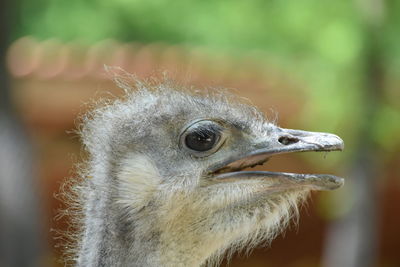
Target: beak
x=280, y=141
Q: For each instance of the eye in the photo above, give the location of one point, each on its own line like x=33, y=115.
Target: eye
x=202, y=138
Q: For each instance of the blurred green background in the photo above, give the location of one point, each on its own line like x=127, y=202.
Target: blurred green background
x=343, y=58
x=326, y=45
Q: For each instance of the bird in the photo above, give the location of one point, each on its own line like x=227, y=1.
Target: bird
x=168, y=179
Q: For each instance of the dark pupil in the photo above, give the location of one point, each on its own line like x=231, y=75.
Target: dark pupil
x=201, y=140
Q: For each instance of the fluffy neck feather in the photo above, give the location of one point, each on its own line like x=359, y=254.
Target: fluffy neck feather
x=126, y=225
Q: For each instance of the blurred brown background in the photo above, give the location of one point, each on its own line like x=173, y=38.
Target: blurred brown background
x=314, y=69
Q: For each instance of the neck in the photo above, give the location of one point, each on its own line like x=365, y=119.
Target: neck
x=121, y=231
x=108, y=241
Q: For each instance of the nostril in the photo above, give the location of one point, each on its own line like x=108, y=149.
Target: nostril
x=286, y=140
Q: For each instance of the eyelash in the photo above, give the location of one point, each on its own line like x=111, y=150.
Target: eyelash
x=209, y=129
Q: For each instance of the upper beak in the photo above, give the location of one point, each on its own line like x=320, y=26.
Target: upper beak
x=281, y=141
x=296, y=140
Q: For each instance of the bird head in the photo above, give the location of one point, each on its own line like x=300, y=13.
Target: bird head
x=179, y=164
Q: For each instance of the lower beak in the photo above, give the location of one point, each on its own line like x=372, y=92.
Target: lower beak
x=282, y=141
x=282, y=180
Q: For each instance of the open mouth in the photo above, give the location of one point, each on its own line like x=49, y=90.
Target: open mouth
x=288, y=141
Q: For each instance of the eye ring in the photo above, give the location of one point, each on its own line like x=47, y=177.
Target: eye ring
x=202, y=138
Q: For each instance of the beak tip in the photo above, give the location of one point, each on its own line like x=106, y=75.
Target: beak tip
x=337, y=143
x=340, y=146
x=337, y=182
x=328, y=182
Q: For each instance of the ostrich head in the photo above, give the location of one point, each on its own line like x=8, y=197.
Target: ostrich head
x=168, y=182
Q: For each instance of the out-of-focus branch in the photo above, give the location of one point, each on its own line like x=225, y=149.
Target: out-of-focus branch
x=20, y=233
x=352, y=241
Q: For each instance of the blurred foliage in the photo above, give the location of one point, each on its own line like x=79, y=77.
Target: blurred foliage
x=320, y=44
